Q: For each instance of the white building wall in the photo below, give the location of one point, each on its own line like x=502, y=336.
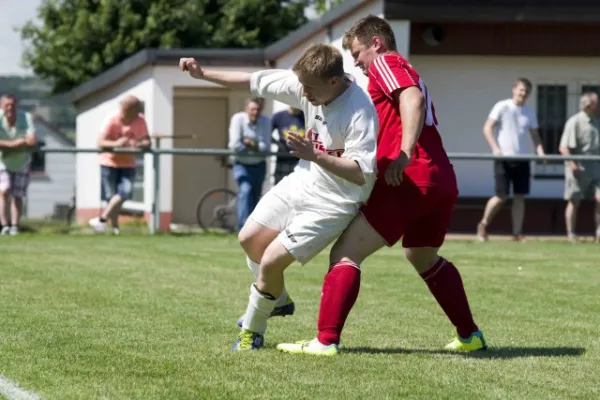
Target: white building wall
x=166, y=78
x=93, y=113
x=154, y=86
x=464, y=90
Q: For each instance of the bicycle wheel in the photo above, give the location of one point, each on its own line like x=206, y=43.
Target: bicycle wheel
x=217, y=210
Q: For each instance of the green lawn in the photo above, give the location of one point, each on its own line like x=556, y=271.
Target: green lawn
x=137, y=317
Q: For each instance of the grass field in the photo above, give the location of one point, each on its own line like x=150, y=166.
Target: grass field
x=137, y=317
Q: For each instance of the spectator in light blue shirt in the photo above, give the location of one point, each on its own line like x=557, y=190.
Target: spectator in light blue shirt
x=249, y=131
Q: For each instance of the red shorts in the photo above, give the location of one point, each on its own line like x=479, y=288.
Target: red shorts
x=419, y=215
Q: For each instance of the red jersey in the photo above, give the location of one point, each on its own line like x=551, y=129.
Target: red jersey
x=429, y=165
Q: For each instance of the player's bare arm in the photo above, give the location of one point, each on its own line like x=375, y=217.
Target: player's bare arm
x=144, y=143
x=30, y=139
x=302, y=147
x=235, y=80
x=537, y=141
x=565, y=151
x=104, y=142
x=488, y=133
x=412, y=113
x=12, y=144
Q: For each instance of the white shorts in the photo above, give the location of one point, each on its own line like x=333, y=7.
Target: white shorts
x=307, y=224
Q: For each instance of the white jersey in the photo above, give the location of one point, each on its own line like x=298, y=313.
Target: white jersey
x=513, y=125
x=347, y=127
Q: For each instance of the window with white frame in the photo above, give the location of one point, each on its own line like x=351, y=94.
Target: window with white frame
x=552, y=102
x=555, y=103
x=38, y=159
x=138, y=183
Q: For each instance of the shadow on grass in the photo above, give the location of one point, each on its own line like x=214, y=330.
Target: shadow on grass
x=492, y=352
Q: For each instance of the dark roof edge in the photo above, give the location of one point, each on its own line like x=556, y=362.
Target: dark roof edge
x=113, y=74
x=154, y=56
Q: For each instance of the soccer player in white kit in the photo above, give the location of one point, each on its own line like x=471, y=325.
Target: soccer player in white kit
x=309, y=208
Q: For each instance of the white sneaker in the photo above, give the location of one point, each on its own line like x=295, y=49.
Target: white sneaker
x=116, y=231
x=99, y=226
x=14, y=230
x=5, y=230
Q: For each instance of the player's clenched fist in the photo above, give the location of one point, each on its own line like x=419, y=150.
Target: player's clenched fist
x=191, y=65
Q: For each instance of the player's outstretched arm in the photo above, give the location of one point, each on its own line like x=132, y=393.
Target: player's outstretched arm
x=235, y=80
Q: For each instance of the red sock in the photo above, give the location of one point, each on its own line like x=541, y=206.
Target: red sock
x=444, y=282
x=340, y=291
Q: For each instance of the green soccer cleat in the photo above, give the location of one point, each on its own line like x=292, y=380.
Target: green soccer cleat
x=248, y=341
x=476, y=342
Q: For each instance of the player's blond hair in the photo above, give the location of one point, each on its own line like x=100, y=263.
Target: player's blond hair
x=366, y=28
x=321, y=61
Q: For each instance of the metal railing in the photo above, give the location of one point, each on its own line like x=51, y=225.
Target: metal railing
x=156, y=153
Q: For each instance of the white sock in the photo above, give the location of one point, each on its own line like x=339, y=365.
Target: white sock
x=258, y=311
x=255, y=268
x=282, y=299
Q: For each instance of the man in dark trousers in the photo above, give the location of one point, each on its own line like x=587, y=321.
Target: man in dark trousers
x=285, y=121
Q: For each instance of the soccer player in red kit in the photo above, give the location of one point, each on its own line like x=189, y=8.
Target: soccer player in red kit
x=413, y=197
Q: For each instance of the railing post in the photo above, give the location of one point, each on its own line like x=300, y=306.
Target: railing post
x=155, y=225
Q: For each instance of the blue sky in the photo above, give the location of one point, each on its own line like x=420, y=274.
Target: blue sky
x=14, y=13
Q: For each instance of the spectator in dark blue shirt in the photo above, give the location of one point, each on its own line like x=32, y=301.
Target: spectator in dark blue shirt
x=284, y=121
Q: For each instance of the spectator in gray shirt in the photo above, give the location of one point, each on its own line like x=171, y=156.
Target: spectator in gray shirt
x=581, y=136
x=249, y=131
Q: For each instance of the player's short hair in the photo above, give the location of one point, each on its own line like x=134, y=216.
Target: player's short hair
x=526, y=82
x=366, y=28
x=321, y=61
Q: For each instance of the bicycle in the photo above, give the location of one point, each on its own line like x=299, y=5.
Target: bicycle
x=217, y=210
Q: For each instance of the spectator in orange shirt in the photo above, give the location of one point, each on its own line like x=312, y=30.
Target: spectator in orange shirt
x=126, y=129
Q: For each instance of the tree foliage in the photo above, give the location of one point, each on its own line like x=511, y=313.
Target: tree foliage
x=76, y=40
x=321, y=5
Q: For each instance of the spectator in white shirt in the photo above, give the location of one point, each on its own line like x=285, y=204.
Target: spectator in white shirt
x=508, y=130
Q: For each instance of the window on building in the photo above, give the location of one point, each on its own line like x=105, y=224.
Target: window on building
x=138, y=184
x=552, y=115
x=38, y=159
x=590, y=88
